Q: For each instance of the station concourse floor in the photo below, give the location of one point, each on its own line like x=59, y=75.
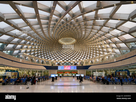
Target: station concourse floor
x=68, y=85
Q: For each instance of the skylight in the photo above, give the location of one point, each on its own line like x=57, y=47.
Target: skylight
x=18, y=20
x=127, y=8
x=127, y=36
x=106, y=10
x=129, y=24
x=26, y=9
x=88, y=3
x=3, y=25
x=122, y=45
x=5, y=8
x=47, y=3
x=59, y=9
x=75, y=9
x=43, y=13
x=91, y=13
x=5, y=37
x=67, y=2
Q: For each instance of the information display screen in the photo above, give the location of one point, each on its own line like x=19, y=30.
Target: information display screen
x=53, y=75
x=77, y=74
x=67, y=67
x=82, y=75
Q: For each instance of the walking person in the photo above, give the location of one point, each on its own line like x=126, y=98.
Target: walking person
x=80, y=78
x=60, y=75
x=121, y=78
x=28, y=81
x=36, y=80
x=33, y=80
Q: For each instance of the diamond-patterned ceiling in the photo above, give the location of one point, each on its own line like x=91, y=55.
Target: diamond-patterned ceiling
x=99, y=27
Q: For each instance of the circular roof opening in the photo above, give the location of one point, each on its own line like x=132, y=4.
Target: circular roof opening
x=67, y=41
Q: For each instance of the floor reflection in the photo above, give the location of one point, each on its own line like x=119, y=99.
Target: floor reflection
x=68, y=84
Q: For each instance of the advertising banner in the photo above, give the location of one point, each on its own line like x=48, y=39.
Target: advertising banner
x=67, y=67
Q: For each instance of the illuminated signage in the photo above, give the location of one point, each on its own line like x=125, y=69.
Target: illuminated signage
x=60, y=67
x=67, y=67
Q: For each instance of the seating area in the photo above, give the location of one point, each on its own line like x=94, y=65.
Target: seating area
x=23, y=80
x=112, y=80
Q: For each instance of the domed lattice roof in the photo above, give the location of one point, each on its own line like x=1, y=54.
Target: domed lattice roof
x=99, y=28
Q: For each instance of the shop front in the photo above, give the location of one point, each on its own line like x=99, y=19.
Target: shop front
x=66, y=73
x=123, y=72
x=11, y=72
x=6, y=72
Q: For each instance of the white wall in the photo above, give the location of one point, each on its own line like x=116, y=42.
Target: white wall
x=81, y=72
x=52, y=72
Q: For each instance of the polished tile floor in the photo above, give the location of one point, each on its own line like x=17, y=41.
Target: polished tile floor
x=68, y=84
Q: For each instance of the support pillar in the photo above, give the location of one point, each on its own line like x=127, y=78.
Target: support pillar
x=103, y=73
x=96, y=73
x=37, y=73
x=31, y=72
x=109, y=71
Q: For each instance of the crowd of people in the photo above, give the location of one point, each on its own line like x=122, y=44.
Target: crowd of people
x=80, y=78
x=31, y=80
x=114, y=80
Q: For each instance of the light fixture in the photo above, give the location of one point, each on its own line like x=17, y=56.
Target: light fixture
x=132, y=2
